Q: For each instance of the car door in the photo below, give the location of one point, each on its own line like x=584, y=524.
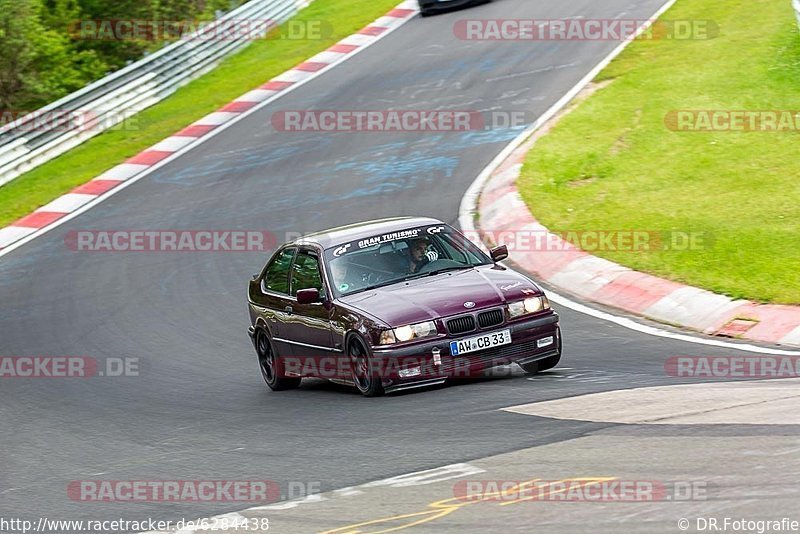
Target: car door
x=309, y=325
x=273, y=298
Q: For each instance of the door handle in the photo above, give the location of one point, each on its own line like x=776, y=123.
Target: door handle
x=288, y=309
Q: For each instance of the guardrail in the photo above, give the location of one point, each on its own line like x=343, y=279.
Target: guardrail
x=106, y=102
x=796, y=5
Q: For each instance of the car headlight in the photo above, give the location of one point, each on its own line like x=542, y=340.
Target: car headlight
x=529, y=305
x=408, y=332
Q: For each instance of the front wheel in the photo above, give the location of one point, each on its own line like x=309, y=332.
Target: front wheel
x=544, y=364
x=269, y=363
x=367, y=381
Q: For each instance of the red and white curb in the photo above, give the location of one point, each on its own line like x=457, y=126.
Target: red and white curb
x=579, y=273
x=492, y=204
x=91, y=193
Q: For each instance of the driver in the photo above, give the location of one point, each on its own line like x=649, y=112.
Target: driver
x=345, y=276
x=418, y=254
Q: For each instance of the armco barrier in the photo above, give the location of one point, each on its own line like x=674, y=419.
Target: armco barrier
x=132, y=89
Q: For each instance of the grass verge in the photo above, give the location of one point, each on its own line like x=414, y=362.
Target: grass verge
x=614, y=164
x=246, y=70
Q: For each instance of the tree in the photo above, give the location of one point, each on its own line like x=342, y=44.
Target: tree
x=38, y=64
x=42, y=58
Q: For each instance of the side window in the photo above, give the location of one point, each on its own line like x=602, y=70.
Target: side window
x=276, y=278
x=306, y=274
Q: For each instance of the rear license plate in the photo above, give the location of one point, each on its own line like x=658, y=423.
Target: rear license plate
x=482, y=342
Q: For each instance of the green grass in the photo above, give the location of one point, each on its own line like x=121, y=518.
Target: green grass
x=613, y=164
x=256, y=64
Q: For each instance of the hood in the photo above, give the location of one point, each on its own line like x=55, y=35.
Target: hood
x=443, y=295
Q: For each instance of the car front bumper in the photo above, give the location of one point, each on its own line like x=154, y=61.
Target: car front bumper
x=394, y=365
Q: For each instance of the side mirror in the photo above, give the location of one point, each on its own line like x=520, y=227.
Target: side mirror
x=499, y=253
x=308, y=296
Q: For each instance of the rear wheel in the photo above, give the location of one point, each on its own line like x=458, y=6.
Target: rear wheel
x=364, y=376
x=269, y=363
x=541, y=365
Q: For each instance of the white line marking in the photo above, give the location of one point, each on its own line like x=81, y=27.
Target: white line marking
x=417, y=478
x=288, y=505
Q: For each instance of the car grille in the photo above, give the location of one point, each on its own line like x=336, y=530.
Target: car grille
x=490, y=318
x=459, y=325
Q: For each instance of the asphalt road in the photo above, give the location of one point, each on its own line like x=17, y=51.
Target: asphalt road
x=198, y=409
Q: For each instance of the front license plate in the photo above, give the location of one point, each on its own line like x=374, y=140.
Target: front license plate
x=485, y=341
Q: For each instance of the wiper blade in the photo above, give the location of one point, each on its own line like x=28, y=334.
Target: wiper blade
x=445, y=269
x=438, y=271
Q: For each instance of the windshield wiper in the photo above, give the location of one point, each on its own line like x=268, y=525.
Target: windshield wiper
x=438, y=271
x=445, y=269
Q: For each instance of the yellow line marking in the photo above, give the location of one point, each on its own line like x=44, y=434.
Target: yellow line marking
x=441, y=508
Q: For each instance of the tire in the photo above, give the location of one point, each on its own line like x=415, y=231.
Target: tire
x=270, y=365
x=364, y=376
x=541, y=365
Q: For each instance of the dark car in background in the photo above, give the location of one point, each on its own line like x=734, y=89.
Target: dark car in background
x=428, y=7
x=395, y=304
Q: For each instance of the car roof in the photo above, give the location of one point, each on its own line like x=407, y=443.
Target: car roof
x=344, y=234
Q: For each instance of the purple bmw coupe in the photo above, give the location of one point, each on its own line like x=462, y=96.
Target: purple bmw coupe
x=395, y=304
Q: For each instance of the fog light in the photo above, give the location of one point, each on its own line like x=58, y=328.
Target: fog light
x=544, y=342
x=411, y=371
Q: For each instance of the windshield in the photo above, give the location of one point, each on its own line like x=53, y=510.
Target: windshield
x=385, y=259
